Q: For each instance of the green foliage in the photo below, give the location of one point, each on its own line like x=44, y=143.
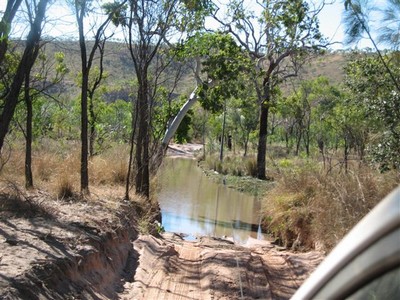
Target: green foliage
x=223, y=61
x=182, y=133
x=117, y=12
x=356, y=19
x=376, y=99
x=191, y=15
x=307, y=115
x=165, y=110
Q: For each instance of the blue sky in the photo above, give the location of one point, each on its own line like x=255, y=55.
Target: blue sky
x=330, y=23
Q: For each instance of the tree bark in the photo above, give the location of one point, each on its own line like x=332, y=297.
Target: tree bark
x=221, y=152
x=28, y=137
x=28, y=59
x=84, y=136
x=92, y=134
x=262, y=140
x=179, y=117
x=84, y=103
x=142, y=145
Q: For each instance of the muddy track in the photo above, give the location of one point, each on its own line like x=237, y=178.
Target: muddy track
x=169, y=268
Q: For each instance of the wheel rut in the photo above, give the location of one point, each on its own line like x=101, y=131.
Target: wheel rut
x=169, y=268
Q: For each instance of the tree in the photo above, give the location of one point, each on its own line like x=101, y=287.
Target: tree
x=24, y=67
x=98, y=75
x=288, y=32
x=375, y=95
x=36, y=86
x=81, y=9
x=389, y=32
x=149, y=28
x=221, y=60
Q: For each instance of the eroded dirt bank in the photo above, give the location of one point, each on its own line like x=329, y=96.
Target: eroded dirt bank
x=64, y=250
x=170, y=268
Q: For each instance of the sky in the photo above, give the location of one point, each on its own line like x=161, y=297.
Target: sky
x=330, y=23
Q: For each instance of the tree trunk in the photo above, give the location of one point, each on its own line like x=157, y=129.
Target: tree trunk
x=142, y=144
x=246, y=143
x=221, y=152
x=84, y=134
x=80, y=13
x=25, y=65
x=346, y=155
x=262, y=140
x=92, y=134
x=28, y=137
x=179, y=117
x=298, y=140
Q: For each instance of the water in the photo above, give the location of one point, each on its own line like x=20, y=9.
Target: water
x=195, y=205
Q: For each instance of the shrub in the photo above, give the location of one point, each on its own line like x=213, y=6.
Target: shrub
x=308, y=206
x=64, y=187
x=251, y=166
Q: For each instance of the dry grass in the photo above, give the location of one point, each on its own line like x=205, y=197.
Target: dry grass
x=56, y=169
x=64, y=187
x=110, y=167
x=308, y=207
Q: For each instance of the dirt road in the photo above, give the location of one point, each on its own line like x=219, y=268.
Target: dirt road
x=170, y=268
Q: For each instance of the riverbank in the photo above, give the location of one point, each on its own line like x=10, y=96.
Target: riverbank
x=245, y=184
x=306, y=204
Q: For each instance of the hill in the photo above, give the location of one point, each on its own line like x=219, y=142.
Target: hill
x=118, y=64
x=121, y=75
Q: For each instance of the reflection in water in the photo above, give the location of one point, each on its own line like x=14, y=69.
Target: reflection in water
x=194, y=205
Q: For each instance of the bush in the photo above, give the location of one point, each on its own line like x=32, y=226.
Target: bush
x=64, y=188
x=251, y=166
x=309, y=207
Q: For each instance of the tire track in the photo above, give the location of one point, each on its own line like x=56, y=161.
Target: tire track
x=208, y=269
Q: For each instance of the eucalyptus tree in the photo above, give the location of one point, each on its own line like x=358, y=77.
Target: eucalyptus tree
x=277, y=41
x=25, y=65
x=148, y=25
x=82, y=8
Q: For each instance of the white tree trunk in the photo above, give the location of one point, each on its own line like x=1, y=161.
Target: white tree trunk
x=179, y=117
